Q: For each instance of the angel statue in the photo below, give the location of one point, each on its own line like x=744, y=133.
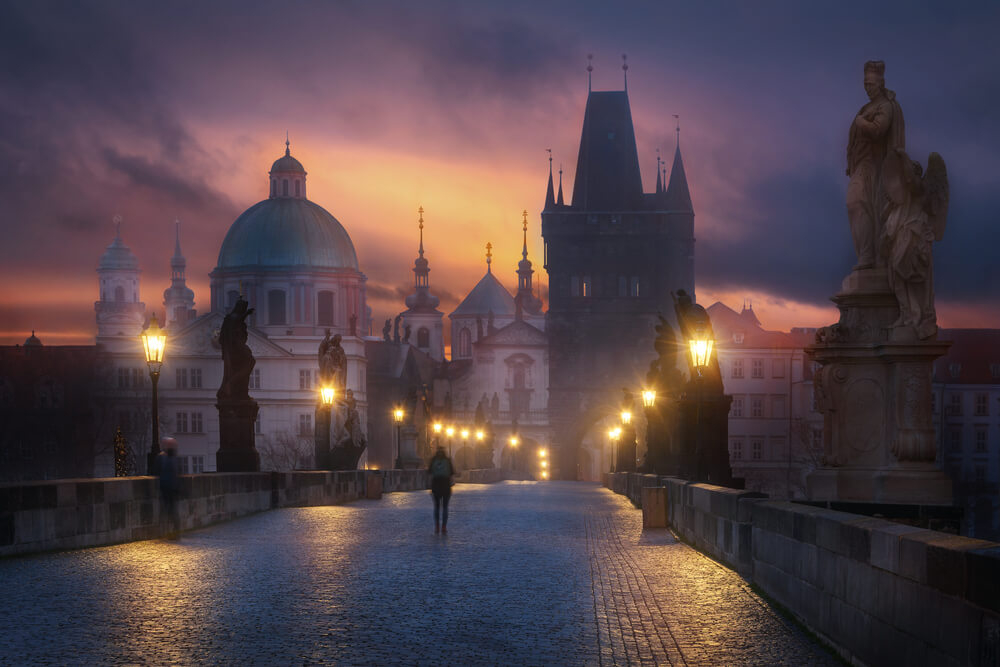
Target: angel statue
x=917, y=212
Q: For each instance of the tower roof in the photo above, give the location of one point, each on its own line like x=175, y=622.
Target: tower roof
x=678, y=197
x=487, y=296
x=607, y=169
x=118, y=255
x=286, y=163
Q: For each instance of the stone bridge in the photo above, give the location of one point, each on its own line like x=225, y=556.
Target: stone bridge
x=548, y=573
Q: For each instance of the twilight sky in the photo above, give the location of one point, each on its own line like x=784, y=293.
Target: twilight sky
x=166, y=110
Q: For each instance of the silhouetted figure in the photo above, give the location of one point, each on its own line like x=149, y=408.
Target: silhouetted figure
x=169, y=486
x=237, y=358
x=441, y=472
x=387, y=331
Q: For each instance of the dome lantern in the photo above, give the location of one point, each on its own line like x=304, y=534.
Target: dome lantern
x=287, y=176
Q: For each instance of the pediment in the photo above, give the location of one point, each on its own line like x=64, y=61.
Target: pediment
x=518, y=333
x=200, y=338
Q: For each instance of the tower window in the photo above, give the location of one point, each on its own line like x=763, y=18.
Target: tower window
x=298, y=188
x=634, y=286
x=324, y=308
x=276, y=307
x=274, y=188
x=284, y=187
x=423, y=338
x=585, y=286
x=464, y=343
x=119, y=294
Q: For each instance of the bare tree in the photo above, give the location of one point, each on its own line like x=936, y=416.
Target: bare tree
x=284, y=451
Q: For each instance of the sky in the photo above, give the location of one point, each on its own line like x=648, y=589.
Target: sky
x=175, y=111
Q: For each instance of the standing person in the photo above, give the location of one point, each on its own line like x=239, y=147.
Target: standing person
x=441, y=471
x=169, y=485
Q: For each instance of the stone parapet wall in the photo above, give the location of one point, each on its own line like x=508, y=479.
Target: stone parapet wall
x=486, y=476
x=881, y=592
x=74, y=513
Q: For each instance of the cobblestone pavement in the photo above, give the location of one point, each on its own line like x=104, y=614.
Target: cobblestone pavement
x=555, y=573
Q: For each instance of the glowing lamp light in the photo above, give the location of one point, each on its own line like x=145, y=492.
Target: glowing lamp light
x=465, y=434
x=545, y=474
x=397, y=415
x=626, y=417
x=513, y=441
x=327, y=394
x=154, y=342
x=615, y=432
x=480, y=434
x=450, y=431
x=543, y=453
x=701, y=348
x=545, y=464
x=648, y=398
x=437, y=427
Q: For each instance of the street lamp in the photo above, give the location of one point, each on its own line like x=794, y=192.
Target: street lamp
x=397, y=416
x=648, y=398
x=449, y=431
x=321, y=433
x=701, y=345
x=326, y=395
x=513, y=453
x=154, y=342
x=626, y=417
x=613, y=436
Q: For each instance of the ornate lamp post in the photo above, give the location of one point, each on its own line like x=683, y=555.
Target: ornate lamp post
x=436, y=427
x=544, y=462
x=465, y=446
x=324, y=416
x=450, y=432
x=700, y=345
x=613, y=436
x=514, y=441
x=154, y=342
x=648, y=398
x=397, y=416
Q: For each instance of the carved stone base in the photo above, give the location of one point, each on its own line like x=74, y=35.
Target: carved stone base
x=874, y=390
x=237, y=452
x=702, y=442
x=924, y=485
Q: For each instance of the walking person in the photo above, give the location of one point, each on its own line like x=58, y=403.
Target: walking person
x=169, y=486
x=441, y=471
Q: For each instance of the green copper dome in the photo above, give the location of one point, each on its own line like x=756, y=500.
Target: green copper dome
x=284, y=232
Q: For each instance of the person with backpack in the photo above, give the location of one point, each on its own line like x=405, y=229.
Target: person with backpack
x=441, y=471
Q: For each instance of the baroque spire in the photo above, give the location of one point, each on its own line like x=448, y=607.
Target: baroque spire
x=559, y=199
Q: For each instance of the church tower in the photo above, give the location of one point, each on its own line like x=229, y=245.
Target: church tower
x=613, y=256
x=421, y=314
x=529, y=306
x=120, y=314
x=178, y=299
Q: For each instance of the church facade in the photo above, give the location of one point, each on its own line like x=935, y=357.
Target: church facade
x=297, y=267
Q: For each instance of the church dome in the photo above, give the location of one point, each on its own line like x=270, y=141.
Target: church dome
x=287, y=232
x=118, y=256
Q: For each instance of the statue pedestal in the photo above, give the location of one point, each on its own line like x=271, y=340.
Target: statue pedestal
x=703, y=435
x=874, y=390
x=236, y=436
x=408, y=459
x=321, y=445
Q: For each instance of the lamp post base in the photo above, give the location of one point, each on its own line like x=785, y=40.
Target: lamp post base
x=236, y=437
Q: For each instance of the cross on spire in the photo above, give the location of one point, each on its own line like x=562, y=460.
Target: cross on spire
x=590, y=70
x=524, y=226
x=288, y=144
x=421, y=226
x=489, y=256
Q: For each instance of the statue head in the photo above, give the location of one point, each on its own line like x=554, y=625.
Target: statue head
x=874, y=78
x=336, y=338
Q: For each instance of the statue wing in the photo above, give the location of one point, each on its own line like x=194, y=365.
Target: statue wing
x=936, y=194
x=894, y=176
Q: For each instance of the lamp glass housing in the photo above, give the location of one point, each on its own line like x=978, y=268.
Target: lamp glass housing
x=626, y=417
x=649, y=397
x=327, y=395
x=450, y=431
x=397, y=415
x=437, y=427
x=701, y=348
x=480, y=434
x=154, y=343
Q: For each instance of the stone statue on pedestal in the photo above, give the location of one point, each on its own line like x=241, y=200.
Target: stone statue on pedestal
x=874, y=383
x=237, y=411
x=387, y=331
x=332, y=362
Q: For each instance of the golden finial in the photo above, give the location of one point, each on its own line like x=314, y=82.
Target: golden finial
x=421, y=212
x=525, y=214
x=489, y=255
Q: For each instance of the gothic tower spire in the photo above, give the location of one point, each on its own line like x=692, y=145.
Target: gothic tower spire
x=550, y=199
x=178, y=299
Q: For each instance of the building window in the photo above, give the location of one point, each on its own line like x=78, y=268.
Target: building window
x=276, y=307
x=255, y=379
x=585, y=286
x=955, y=370
x=981, y=441
x=738, y=337
x=274, y=188
x=119, y=294
x=738, y=368
x=955, y=436
x=305, y=425
x=324, y=308
x=737, y=409
x=778, y=368
x=298, y=188
x=195, y=375
x=757, y=449
x=757, y=368
x=982, y=405
x=757, y=407
x=305, y=379
x=464, y=343
x=197, y=464
x=181, y=424
x=182, y=378
x=956, y=404
x=183, y=465
x=196, y=425
x=423, y=338
x=777, y=407
x=737, y=451
x=634, y=286
x=284, y=187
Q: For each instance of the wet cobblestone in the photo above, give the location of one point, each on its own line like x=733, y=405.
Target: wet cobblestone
x=540, y=574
